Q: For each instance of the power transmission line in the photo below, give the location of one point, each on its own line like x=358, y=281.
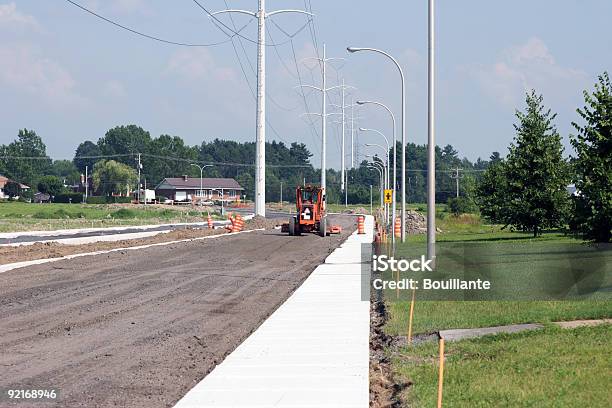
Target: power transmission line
x=237, y=33
x=152, y=37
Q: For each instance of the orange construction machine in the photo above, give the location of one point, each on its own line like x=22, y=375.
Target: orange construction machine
x=310, y=213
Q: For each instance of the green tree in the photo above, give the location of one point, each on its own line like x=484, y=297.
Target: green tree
x=86, y=155
x=491, y=190
x=593, y=164
x=536, y=173
x=65, y=170
x=25, y=159
x=112, y=177
x=12, y=189
x=51, y=185
x=170, y=157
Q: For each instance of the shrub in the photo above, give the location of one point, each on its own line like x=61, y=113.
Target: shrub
x=124, y=213
x=68, y=198
x=460, y=205
x=108, y=200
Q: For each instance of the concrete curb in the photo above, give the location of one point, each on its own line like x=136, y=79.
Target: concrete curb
x=313, y=351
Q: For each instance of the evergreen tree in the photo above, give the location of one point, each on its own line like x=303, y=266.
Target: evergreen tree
x=491, y=191
x=536, y=173
x=593, y=164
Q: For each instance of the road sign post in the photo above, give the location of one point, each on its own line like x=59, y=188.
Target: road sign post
x=388, y=196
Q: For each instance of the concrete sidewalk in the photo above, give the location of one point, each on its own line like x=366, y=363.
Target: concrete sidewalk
x=313, y=351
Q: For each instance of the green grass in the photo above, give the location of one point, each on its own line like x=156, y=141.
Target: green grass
x=430, y=316
x=544, y=368
x=17, y=216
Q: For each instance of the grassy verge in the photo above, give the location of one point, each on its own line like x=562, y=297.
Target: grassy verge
x=16, y=216
x=550, y=367
x=544, y=368
x=430, y=316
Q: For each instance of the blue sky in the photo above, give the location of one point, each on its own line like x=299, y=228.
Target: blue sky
x=71, y=76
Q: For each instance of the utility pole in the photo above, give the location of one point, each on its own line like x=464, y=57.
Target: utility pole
x=139, y=167
x=86, y=183
x=352, y=134
x=346, y=193
x=323, y=89
x=370, y=199
x=456, y=177
x=342, y=175
x=343, y=107
x=260, y=121
x=281, y=193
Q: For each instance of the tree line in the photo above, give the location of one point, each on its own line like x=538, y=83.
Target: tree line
x=526, y=190
x=112, y=162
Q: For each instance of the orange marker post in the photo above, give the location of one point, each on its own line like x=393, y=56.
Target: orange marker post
x=441, y=373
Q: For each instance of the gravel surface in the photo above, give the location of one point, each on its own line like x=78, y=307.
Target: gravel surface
x=140, y=328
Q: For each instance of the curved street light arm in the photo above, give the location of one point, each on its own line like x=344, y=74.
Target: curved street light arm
x=289, y=11
x=250, y=13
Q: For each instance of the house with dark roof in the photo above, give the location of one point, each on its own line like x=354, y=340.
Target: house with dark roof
x=4, y=181
x=188, y=189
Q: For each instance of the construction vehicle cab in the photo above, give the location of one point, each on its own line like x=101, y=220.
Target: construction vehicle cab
x=310, y=212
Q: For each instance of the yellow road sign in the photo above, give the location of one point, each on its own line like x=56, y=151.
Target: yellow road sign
x=388, y=196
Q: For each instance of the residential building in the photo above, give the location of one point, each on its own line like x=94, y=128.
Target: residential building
x=3, y=183
x=186, y=188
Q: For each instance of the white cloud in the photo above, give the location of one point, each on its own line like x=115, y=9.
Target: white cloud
x=524, y=67
x=198, y=64
x=25, y=69
x=129, y=6
x=11, y=17
x=114, y=89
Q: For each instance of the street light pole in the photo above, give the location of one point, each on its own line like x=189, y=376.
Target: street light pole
x=401, y=72
x=431, y=144
x=201, y=178
x=386, y=175
x=380, y=183
x=394, y=200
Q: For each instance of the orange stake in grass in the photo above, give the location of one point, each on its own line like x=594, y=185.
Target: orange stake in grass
x=410, y=317
x=441, y=373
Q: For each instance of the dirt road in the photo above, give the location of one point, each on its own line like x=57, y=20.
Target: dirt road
x=140, y=328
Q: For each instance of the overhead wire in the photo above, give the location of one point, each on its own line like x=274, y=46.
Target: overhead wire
x=218, y=22
x=152, y=37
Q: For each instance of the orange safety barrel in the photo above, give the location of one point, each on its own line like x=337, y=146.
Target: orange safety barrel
x=360, y=224
x=398, y=227
x=238, y=223
x=209, y=221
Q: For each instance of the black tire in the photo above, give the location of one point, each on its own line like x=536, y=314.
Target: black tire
x=292, y=226
x=323, y=227
x=298, y=228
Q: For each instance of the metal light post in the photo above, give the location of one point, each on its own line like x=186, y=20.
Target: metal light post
x=260, y=139
x=386, y=172
x=431, y=144
x=380, y=177
x=201, y=178
x=381, y=166
x=394, y=200
x=354, y=49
